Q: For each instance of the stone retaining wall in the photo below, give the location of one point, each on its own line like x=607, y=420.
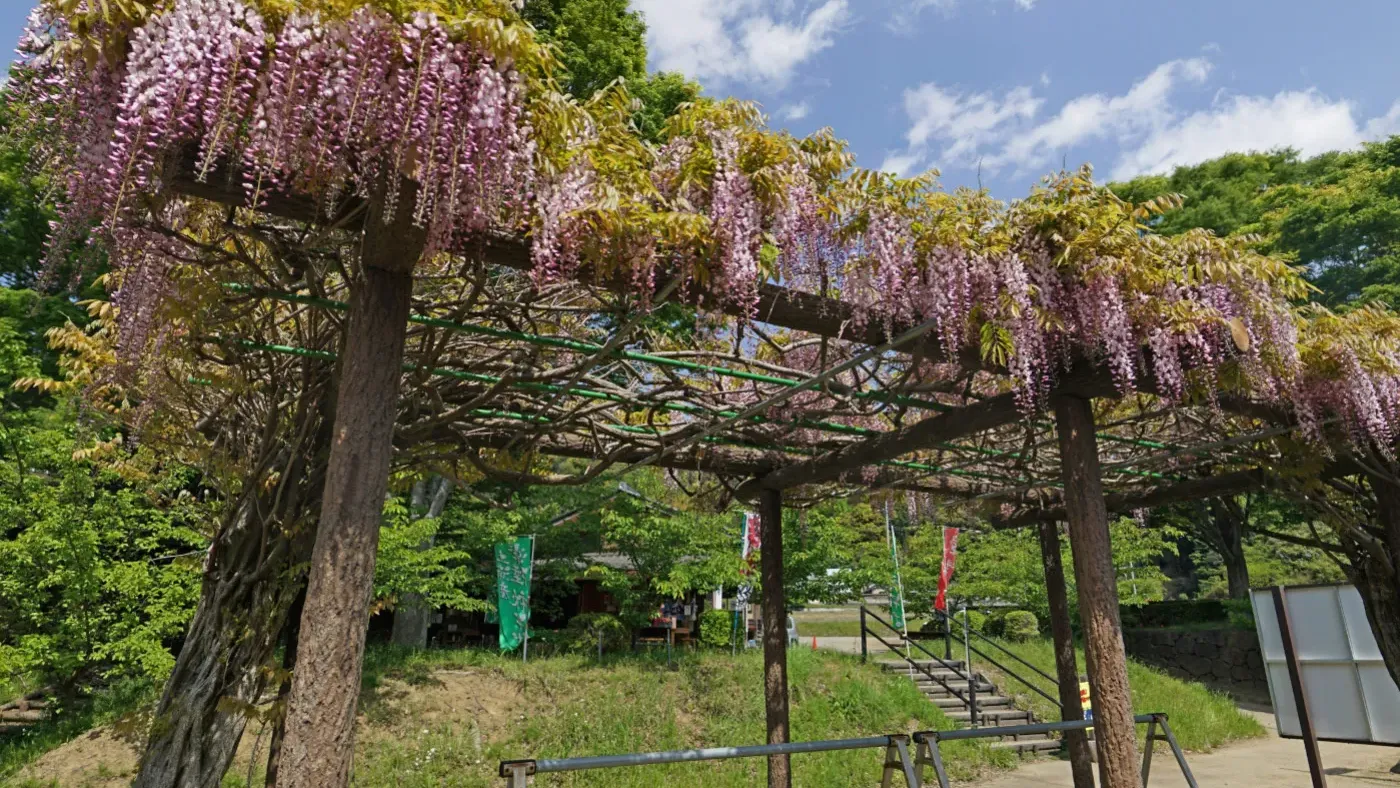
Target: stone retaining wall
x=1223, y=659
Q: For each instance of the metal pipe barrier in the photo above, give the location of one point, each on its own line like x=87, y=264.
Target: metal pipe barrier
x=897, y=758
x=928, y=754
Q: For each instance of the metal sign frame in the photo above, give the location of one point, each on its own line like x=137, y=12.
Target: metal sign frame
x=1322, y=632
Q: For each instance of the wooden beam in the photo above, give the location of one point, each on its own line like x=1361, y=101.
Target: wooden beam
x=730, y=462
x=1097, y=582
x=948, y=426
x=1149, y=497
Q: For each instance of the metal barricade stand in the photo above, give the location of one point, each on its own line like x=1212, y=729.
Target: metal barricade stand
x=897, y=758
x=928, y=755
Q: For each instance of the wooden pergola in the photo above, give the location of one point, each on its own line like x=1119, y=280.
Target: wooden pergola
x=883, y=406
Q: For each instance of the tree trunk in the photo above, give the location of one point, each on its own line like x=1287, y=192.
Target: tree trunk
x=219, y=673
x=1375, y=571
x=1066, y=666
x=1230, y=526
x=319, y=745
x=775, y=683
x=289, y=664
x=411, y=615
x=251, y=578
x=1097, y=582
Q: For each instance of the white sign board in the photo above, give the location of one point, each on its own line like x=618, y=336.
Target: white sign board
x=1351, y=696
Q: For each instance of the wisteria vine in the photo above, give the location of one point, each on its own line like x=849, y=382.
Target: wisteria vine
x=325, y=108
x=414, y=110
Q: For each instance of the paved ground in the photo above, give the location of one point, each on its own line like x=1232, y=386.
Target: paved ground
x=1271, y=762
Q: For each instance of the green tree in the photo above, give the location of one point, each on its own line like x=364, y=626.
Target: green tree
x=833, y=551
x=1005, y=566
x=25, y=208
x=598, y=41
x=602, y=41
x=99, y=573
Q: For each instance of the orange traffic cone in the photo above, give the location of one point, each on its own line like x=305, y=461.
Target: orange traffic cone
x=814, y=642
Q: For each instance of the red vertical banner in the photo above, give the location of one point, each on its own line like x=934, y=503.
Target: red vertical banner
x=945, y=575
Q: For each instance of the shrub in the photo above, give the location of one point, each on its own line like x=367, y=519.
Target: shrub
x=976, y=619
x=1020, y=626
x=716, y=627
x=587, y=629
x=1176, y=613
x=1240, y=613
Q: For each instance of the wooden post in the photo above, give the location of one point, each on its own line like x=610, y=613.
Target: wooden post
x=1300, y=697
x=320, y=740
x=775, y=685
x=1066, y=666
x=1097, y=582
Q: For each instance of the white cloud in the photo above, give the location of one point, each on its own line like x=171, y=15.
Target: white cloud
x=1144, y=106
x=963, y=122
x=1146, y=125
x=750, y=41
x=796, y=111
x=901, y=164
x=907, y=10
x=1305, y=120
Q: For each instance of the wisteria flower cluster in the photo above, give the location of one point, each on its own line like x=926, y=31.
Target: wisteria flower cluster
x=325, y=108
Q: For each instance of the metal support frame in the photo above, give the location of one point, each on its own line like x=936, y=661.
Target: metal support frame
x=897, y=759
x=1300, y=696
x=928, y=754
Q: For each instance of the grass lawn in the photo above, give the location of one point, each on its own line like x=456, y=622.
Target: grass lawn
x=447, y=717
x=570, y=706
x=1201, y=718
x=841, y=623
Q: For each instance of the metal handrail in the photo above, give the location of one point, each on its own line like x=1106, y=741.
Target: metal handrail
x=1008, y=671
x=970, y=700
x=519, y=772
x=1009, y=653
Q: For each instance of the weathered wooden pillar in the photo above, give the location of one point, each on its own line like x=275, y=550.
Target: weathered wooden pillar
x=775, y=681
x=1375, y=570
x=320, y=738
x=1097, y=582
x=1066, y=666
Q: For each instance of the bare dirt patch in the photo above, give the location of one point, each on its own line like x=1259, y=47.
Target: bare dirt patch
x=97, y=759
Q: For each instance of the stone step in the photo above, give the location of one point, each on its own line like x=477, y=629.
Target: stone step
x=933, y=687
x=935, y=676
x=902, y=666
x=993, y=717
x=983, y=702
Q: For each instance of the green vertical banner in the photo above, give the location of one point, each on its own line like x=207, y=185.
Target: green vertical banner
x=514, y=567
x=896, y=587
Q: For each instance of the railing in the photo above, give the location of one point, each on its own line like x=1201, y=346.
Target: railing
x=969, y=700
x=929, y=755
x=897, y=757
x=968, y=631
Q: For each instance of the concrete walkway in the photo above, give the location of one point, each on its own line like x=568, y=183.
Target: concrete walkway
x=1270, y=762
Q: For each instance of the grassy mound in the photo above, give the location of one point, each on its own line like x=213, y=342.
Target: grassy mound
x=448, y=717
x=1201, y=718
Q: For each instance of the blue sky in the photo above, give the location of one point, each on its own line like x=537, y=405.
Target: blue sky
x=1007, y=90
x=1021, y=86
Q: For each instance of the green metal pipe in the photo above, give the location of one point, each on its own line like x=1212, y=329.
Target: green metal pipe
x=477, y=377
x=589, y=347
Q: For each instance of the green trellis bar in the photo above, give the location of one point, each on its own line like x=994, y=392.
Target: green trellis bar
x=589, y=347
x=477, y=377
